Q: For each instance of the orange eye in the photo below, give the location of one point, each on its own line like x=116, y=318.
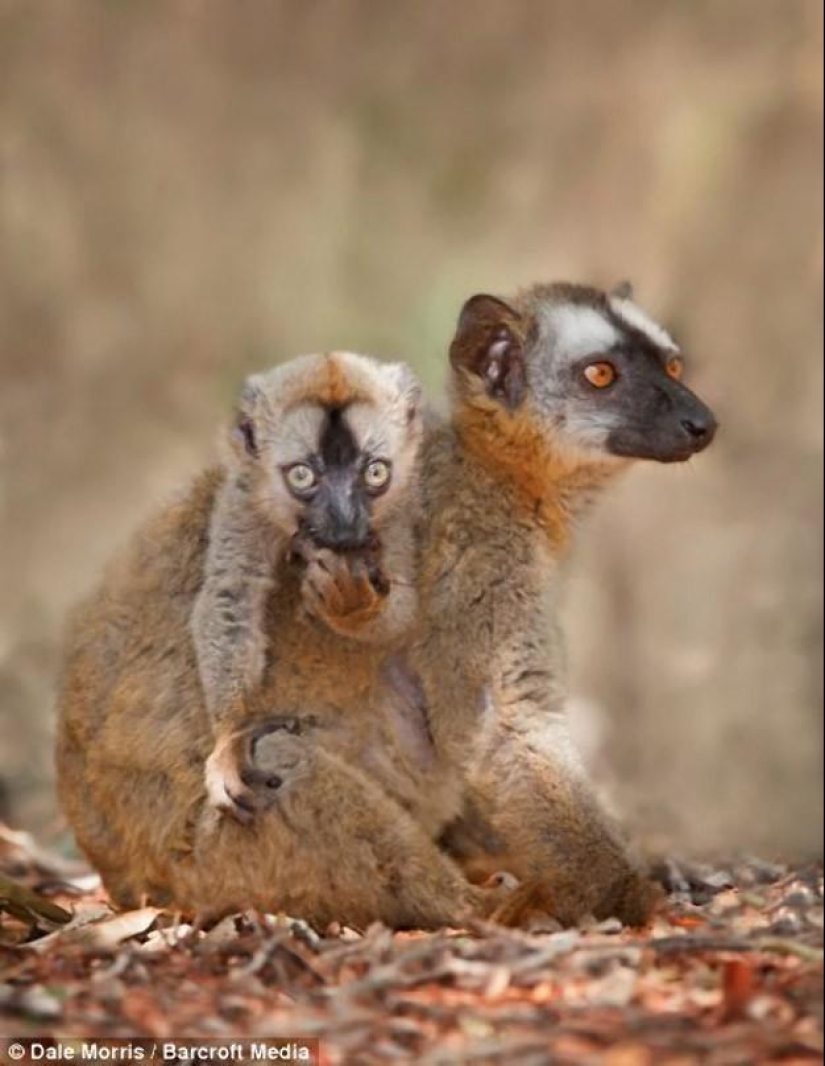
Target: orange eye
x=675, y=367
x=600, y=375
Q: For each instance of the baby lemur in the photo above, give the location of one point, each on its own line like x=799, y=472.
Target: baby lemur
x=322, y=455
x=552, y=393
x=323, y=466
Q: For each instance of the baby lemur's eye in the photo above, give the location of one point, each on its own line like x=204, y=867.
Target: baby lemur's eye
x=600, y=375
x=675, y=367
x=300, y=477
x=377, y=475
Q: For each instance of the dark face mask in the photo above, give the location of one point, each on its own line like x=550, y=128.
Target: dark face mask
x=659, y=417
x=337, y=515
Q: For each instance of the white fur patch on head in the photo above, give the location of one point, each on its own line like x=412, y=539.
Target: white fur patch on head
x=383, y=431
x=291, y=437
x=579, y=330
x=372, y=427
x=638, y=319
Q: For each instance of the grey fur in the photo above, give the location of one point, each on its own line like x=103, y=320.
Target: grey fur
x=227, y=618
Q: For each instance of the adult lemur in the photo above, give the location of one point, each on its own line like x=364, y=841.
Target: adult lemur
x=161, y=721
x=552, y=393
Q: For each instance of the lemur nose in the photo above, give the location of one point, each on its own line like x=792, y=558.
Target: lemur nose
x=701, y=429
x=342, y=539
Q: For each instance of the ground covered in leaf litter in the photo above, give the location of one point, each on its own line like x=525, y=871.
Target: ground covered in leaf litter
x=729, y=972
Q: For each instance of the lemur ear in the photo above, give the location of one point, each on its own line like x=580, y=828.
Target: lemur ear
x=409, y=388
x=243, y=431
x=488, y=343
x=623, y=291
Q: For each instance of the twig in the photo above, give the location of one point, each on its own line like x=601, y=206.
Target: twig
x=26, y=905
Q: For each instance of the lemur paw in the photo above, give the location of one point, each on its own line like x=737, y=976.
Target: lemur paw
x=343, y=591
x=495, y=893
x=234, y=786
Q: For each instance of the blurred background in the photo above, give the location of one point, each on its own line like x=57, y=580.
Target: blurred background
x=191, y=190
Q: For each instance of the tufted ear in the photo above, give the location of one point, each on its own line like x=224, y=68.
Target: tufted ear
x=488, y=344
x=243, y=437
x=623, y=291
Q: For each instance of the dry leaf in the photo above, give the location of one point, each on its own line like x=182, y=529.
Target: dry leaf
x=101, y=934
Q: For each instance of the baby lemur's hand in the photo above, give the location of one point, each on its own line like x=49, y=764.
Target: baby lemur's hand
x=346, y=590
x=234, y=785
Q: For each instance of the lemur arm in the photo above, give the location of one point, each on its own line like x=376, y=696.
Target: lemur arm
x=230, y=639
x=227, y=622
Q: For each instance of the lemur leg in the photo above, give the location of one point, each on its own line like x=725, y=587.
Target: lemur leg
x=333, y=847
x=539, y=819
x=532, y=800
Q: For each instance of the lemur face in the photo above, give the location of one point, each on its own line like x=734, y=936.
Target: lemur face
x=591, y=369
x=609, y=378
x=329, y=444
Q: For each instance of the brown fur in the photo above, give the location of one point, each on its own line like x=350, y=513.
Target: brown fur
x=334, y=389
x=341, y=592
x=356, y=791
x=328, y=384
x=548, y=487
x=367, y=786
